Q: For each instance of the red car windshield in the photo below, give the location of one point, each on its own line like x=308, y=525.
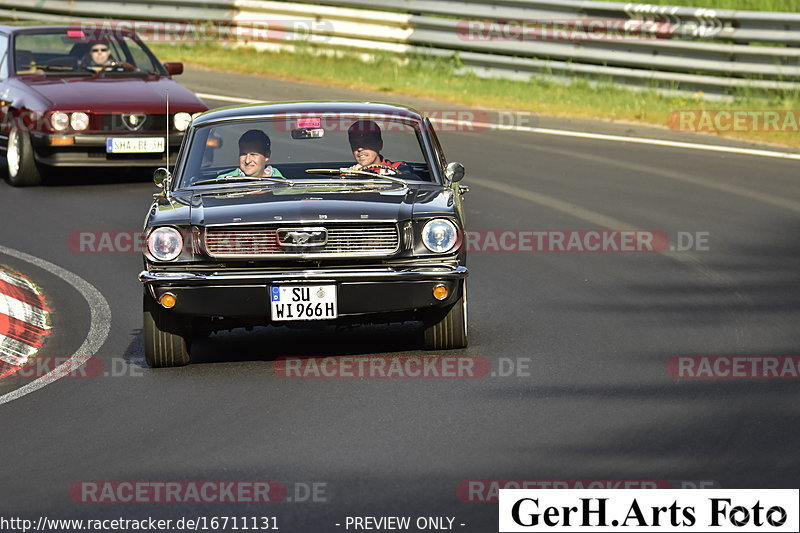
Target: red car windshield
x=66, y=52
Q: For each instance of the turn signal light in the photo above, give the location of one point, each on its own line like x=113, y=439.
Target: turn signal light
x=440, y=292
x=61, y=140
x=167, y=300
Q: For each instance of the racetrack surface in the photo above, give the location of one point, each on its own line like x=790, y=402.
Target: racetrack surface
x=589, y=335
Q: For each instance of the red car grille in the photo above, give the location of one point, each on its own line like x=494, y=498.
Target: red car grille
x=342, y=240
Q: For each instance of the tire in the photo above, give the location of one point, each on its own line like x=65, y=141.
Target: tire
x=21, y=163
x=166, y=341
x=450, y=331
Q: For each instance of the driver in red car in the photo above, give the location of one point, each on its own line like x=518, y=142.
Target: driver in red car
x=100, y=58
x=366, y=144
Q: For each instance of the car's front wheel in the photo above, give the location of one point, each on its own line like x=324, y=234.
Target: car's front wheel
x=166, y=340
x=449, y=332
x=22, y=168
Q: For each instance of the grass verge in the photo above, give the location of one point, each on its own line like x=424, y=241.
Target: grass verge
x=745, y=5
x=429, y=78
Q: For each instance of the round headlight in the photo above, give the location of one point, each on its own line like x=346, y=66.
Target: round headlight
x=59, y=121
x=165, y=244
x=181, y=120
x=439, y=235
x=79, y=121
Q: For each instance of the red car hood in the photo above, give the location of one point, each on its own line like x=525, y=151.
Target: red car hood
x=115, y=94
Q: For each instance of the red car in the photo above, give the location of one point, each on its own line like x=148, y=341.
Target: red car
x=74, y=98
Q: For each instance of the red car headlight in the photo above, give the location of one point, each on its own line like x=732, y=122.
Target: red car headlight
x=59, y=121
x=79, y=121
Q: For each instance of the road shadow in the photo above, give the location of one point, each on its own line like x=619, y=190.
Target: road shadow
x=76, y=176
x=269, y=343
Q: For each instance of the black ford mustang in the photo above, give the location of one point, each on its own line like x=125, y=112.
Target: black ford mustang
x=307, y=211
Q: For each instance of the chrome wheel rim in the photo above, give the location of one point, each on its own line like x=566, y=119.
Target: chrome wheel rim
x=12, y=154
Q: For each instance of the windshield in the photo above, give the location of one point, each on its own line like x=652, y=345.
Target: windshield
x=306, y=148
x=69, y=52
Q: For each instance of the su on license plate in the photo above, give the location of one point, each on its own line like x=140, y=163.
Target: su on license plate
x=303, y=302
x=138, y=145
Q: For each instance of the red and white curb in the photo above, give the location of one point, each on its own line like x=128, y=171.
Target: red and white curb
x=24, y=321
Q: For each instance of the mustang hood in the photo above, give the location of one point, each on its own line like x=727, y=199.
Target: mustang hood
x=263, y=205
x=105, y=94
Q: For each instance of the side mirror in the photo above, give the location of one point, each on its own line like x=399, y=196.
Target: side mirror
x=160, y=177
x=454, y=172
x=174, y=68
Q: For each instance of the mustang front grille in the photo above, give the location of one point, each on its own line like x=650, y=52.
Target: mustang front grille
x=343, y=240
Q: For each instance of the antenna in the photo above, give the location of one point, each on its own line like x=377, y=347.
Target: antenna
x=168, y=179
x=166, y=139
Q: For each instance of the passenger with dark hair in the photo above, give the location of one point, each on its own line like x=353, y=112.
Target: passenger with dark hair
x=366, y=143
x=254, y=153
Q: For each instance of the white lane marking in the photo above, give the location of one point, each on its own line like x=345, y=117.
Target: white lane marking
x=14, y=308
x=611, y=223
x=234, y=99
x=636, y=140
x=568, y=133
x=100, y=320
x=652, y=172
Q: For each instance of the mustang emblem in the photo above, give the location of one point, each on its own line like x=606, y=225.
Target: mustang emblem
x=133, y=121
x=303, y=237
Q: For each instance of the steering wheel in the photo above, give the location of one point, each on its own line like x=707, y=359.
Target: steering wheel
x=118, y=66
x=381, y=166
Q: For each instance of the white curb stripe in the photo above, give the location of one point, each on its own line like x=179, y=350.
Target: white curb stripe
x=99, y=328
x=15, y=352
x=21, y=282
x=22, y=311
x=568, y=133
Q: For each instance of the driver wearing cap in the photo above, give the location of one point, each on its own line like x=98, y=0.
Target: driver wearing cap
x=254, y=153
x=366, y=144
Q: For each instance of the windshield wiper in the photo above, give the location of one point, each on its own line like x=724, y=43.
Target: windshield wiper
x=353, y=172
x=243, y=178
x=61, y=69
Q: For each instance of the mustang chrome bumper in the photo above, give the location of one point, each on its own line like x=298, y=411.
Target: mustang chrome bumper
x=387, y=274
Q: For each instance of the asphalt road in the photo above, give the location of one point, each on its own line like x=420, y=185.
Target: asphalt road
x=588, y=335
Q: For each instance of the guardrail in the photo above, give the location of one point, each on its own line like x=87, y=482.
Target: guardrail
x=639, y=45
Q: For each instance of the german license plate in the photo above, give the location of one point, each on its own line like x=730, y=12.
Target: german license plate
x=303, y=302
x=136, y=145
